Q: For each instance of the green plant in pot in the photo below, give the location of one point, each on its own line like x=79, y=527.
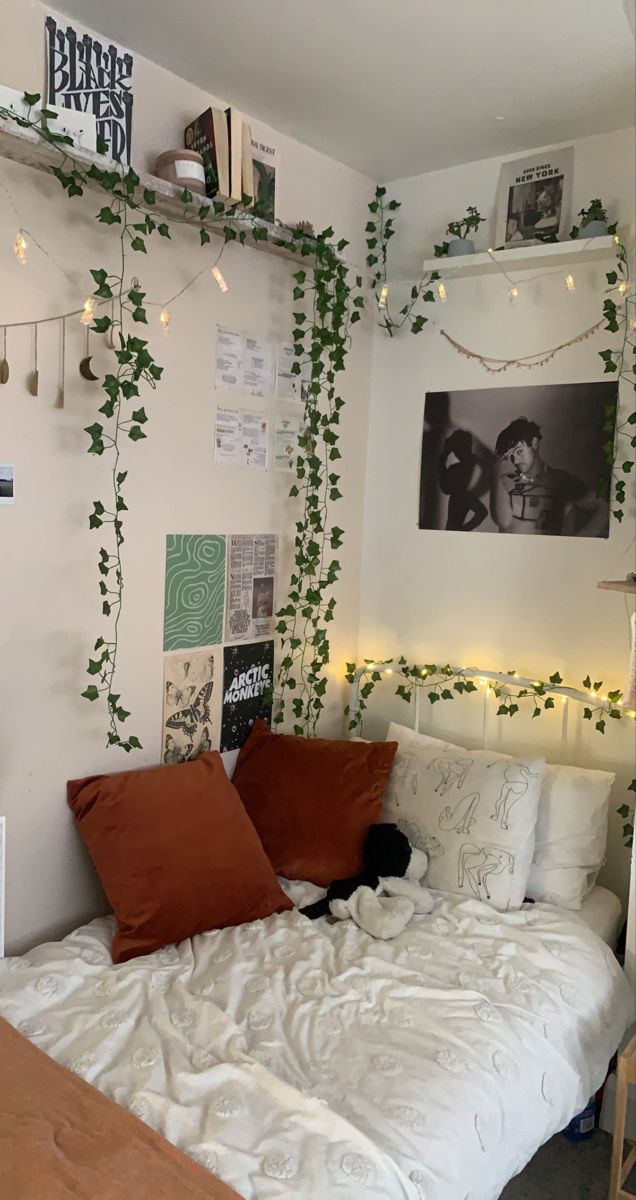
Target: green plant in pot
x=594, y=222
x=460, y=242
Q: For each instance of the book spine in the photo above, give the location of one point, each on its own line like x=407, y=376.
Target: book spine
x=199, y=136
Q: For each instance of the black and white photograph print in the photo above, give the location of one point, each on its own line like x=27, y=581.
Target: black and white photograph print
x=263, y=598
x=527, y=460
x=7, y=484
x=533, y=201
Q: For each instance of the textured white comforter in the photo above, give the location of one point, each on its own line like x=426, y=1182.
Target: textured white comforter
x=305, y=1060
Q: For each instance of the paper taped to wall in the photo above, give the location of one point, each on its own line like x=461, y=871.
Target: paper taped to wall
x=251, y=586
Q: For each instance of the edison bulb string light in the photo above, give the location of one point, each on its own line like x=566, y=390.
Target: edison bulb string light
x=20, y=247
x=88, y=311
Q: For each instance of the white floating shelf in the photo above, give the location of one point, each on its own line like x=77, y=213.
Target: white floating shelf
x=543, y=256
x=26, y=147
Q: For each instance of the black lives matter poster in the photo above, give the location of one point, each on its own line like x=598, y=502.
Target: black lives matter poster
x=89, y=76
x=248, y=673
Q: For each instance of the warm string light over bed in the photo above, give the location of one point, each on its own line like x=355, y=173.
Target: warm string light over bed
x=507, y=686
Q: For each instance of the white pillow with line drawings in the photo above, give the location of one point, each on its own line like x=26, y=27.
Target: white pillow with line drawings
x=473, y=811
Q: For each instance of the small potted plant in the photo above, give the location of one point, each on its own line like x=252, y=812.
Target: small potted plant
x=594, y=221
x=460, y=242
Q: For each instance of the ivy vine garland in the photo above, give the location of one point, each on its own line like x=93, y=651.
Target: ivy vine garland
x=618, y=317
x=329, y=304
x=380, y=229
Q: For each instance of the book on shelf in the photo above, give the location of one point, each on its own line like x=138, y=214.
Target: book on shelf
x=235, y=136
x=260, y=179
x=208, y=135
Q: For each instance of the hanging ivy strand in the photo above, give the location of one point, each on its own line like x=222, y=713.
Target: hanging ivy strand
x=380, y=229
x=619, y=310
x=328, y=303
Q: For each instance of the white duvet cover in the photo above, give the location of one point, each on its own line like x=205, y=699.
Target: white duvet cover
x=304, y=1060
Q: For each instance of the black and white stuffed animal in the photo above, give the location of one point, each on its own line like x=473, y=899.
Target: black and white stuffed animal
x=386, y=894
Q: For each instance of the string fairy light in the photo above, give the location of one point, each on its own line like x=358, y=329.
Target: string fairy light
x=384, y=292
x=569, y=283
x=216, y=273
x=441, y=291
x=164, y=320
x=622, y=287
x=513, y=293
x=88, y=311
x=20, y=247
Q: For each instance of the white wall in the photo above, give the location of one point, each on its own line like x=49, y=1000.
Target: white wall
x=50, y=610
x=500, y=602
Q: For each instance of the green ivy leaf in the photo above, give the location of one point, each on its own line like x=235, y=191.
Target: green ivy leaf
x=91, y=692
x=136, y=433
x=139, y=244
x=140, y=416
x=108, y=217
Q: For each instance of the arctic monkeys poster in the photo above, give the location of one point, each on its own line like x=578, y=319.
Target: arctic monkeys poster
x=248, y=673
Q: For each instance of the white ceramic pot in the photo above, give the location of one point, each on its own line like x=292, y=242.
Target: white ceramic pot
x=460, y=246
x=183, y=167
x=593, y=229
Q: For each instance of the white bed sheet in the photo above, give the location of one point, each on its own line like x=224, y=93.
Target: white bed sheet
x=304, y=1060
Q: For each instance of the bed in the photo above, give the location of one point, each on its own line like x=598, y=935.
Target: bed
x=306, y=1060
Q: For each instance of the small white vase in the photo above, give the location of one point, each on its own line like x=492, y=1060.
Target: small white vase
x=460, y=246
x=593, y=229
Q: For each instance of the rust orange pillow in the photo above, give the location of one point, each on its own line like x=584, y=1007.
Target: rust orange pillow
x=312, y=800
x=176, y=853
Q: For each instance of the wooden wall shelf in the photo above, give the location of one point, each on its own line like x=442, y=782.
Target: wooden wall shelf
x=617, y=585
x=26, y=147
x=542, y=256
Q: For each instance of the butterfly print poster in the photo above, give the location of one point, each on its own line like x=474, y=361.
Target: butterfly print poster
x=195, y=590
x=190, y=724
x=248, y=673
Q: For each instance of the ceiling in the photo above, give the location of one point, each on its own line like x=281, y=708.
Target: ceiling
x=396, y=88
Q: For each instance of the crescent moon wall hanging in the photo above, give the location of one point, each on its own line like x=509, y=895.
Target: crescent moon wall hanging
x=85, y=366
x=59, y=400
x=34, y=381
x=4, y=365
